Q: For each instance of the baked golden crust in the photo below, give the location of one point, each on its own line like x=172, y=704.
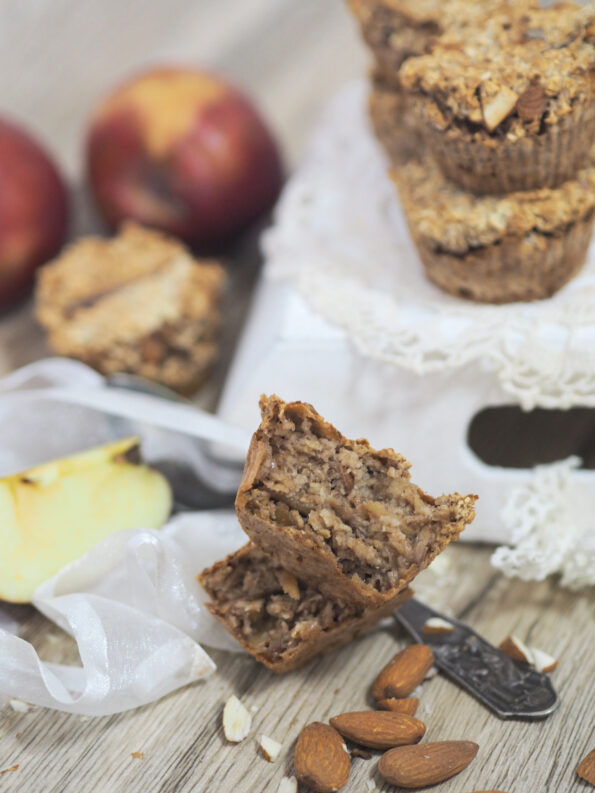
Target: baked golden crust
x=136, y=303
x=451, y=220
x=282, y=621
x=338, y=513
x=533, y=267
x=396, y=30
x=497, y=249
x=492, y=67
x=509, y=104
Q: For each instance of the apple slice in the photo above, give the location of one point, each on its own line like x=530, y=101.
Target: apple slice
x=56, y=512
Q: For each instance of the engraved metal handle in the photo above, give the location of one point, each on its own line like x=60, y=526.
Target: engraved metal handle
x=510, y=689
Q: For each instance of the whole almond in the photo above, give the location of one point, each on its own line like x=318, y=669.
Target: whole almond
x=320, y=759
x=531, y=103
x=408, y=706
x=404, y=673
x=426, y=764
x=379, y=729
x=586, y=769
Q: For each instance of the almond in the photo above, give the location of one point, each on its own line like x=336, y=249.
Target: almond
x=426, y=764
x=379, y=729
x=515, y=649
x=357, y=751
x=269, y=748
x=436, y=626
x=542, y=661
x=408, y=706
x=586, y=769
x=497, y=103
x=288, y=785
x=236, y=720
x=320, y=759
x=289, y=584
x=531, y=103
x=404, y=673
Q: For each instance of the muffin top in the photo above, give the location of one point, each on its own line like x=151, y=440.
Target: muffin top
x=452, y=220
x=515, y=70
x=442, y=13
x=126, y=285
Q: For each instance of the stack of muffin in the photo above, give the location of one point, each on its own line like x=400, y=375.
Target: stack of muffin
x=487, y=113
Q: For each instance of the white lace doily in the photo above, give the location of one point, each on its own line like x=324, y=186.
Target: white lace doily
x=341, y=238
x=552, y=522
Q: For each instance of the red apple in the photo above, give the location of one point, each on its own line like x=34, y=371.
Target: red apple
x=185, y=152
x=33, y=211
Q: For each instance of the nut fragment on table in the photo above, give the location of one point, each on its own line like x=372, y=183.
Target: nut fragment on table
x=408, y=705
x=269, y=748
x=586, y=769
x=236, y=720
x=288, y=785
x=542, y=661
x=517, y=650
x=137, y=303
x=436, y=626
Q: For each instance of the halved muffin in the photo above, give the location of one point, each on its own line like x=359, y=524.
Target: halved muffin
x=338, y=513
x=281, y=620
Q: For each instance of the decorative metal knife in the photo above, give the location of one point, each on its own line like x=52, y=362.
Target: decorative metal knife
x=510, y=689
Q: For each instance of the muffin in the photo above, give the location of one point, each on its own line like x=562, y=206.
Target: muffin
x=281, y=620
x=393, y=123
x=399, y=29
x=396, y=29
x=511, y=104
x=497, y=249
x=137, y=303
x=338, y=513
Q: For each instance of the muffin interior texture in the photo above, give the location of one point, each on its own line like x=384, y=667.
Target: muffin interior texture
x=269, y=608
x=346, y=498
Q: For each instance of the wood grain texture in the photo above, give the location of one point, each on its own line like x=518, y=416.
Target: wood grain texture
x=291, y=54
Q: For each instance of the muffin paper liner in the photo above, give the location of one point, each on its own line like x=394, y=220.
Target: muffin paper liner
x=393, y=123
x=532, y=267
x=502, y=166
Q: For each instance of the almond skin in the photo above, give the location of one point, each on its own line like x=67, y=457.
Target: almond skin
x=320, y=759
x=408, y=706
x=426, y=764
x=379, y=729
x=404, y=673
x=514, y=648
x=586, y=769
x=531, y=103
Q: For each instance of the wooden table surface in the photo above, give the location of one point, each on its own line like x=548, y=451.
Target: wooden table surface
x=56, y=58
